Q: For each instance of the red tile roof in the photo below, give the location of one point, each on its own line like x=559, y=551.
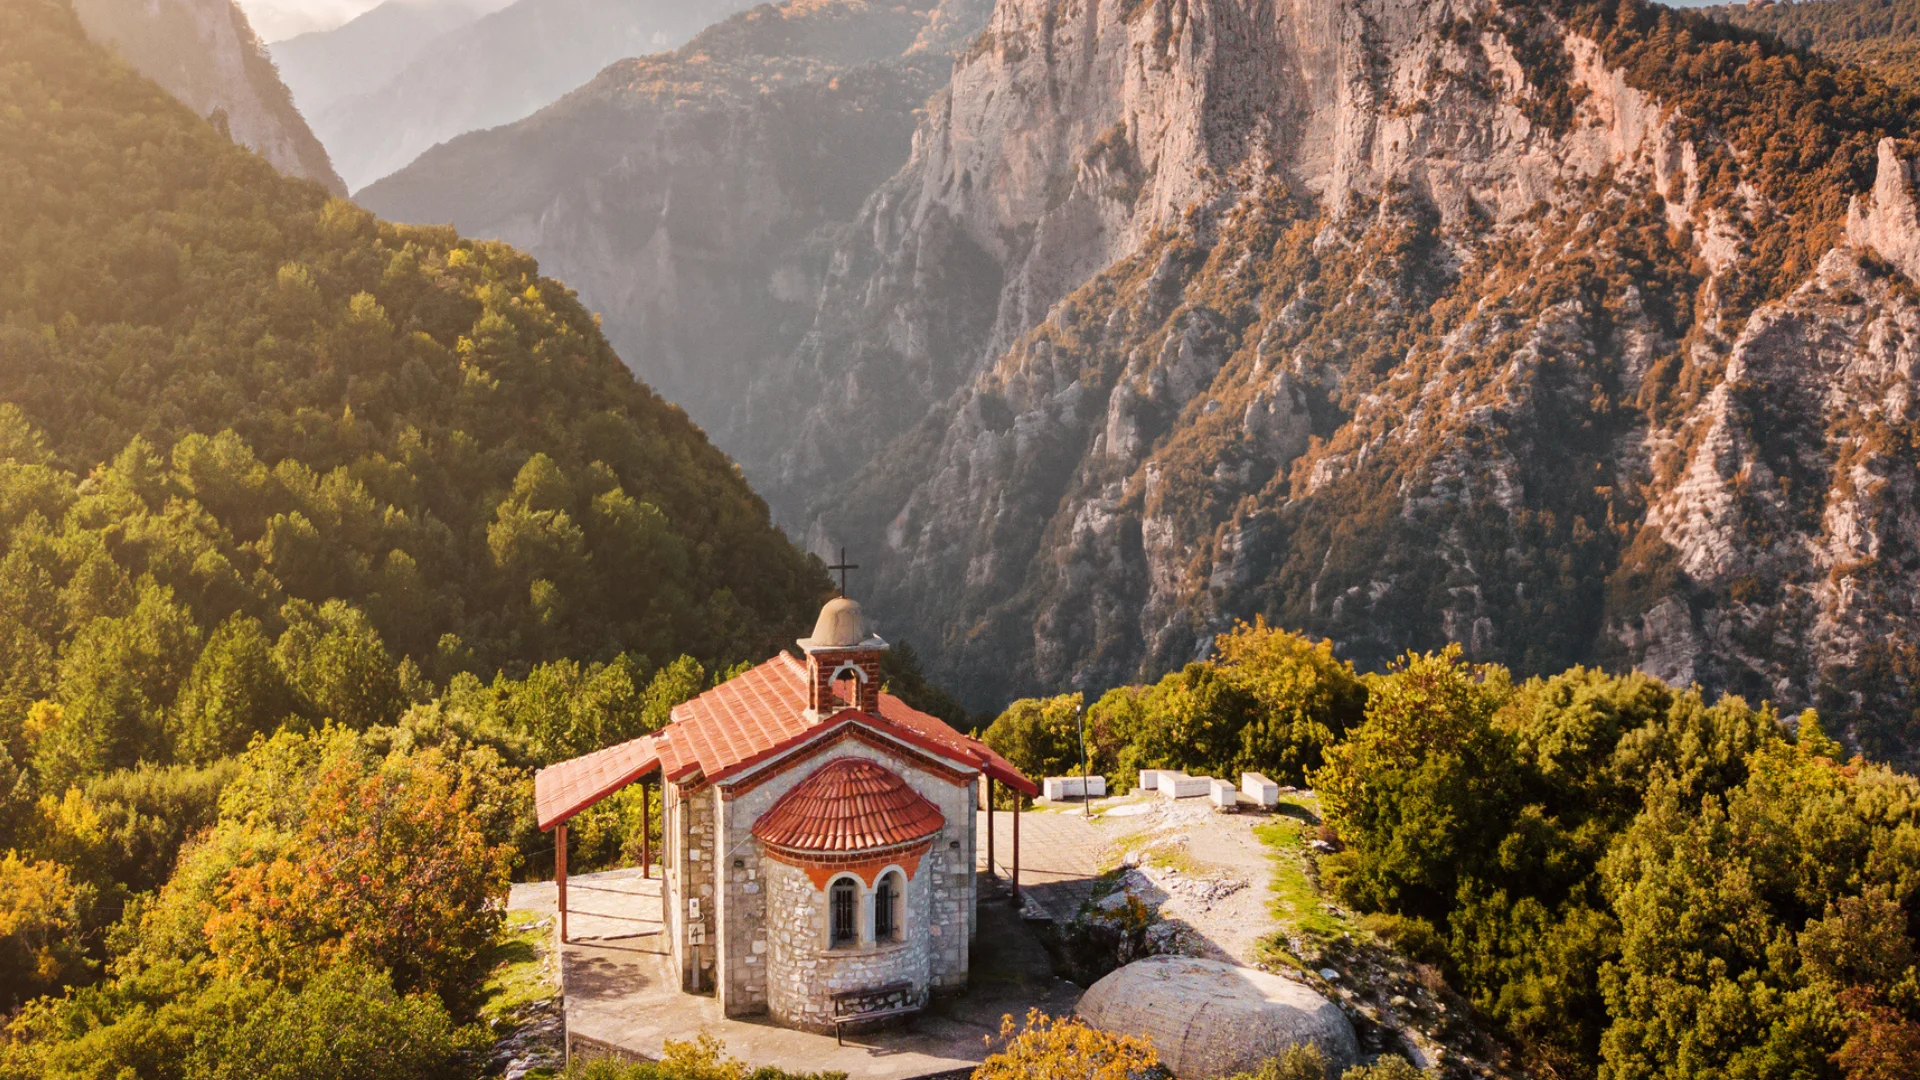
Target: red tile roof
x=563, y=790
x=849, y=806
x=746, y=720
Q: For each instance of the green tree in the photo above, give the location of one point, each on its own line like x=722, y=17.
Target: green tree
x=1040, y=736
x=337, y=666
x=117, y=677
x=1423, y=787
x=234, y=691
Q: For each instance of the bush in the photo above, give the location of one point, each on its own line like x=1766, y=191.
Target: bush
x=1064, y=1048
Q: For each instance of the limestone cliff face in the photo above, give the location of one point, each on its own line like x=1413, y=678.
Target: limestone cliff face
x=205, y=53
x=1339, y=314
x=1131, y=138
x=1405, y=322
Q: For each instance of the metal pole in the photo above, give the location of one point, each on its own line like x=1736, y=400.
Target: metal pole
x=1086, y=790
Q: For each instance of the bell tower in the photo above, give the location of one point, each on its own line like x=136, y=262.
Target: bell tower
x=843, y=661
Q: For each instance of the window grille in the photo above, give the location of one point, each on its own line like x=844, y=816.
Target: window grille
x=885, y=926
x=845, y=929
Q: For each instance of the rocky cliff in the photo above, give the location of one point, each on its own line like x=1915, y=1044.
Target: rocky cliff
x=1537, y=327
x=205, y=53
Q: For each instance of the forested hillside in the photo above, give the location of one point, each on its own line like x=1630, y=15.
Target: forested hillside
x=1883, y=34
x=1628, y=880
x=316, y=533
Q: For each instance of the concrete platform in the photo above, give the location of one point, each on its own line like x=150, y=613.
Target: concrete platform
x=622, y=996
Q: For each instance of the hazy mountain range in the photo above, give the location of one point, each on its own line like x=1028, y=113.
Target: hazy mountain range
x=408, y=74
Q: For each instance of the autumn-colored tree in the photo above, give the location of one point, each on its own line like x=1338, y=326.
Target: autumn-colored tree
x=1065, y=1048
x=36, y=920
x=392, y=866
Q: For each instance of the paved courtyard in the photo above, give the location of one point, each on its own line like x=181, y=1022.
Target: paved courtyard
x=1060, y=855
x=622, y=995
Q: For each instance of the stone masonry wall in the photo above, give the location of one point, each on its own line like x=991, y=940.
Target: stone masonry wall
x=694, y=945
x=941, y=896
x=804, y=974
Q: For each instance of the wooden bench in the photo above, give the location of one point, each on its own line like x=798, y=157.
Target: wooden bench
x=876, y=1003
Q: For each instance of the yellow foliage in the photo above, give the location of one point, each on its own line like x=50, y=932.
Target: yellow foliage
x=1064, y=1048
x=40, y=717
x=36, y=905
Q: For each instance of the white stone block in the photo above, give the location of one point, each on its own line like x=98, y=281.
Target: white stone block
x=1223, y=793
x=1173, y=784
x=1260, y=789
x=1148, y=777
x=1057, y=788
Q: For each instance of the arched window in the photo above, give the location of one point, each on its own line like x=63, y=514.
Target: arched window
x=842, y=904
x=889, y=903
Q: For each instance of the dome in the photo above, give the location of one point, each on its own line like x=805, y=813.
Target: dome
x=841, y=625
x=1210, y=1019
x=848, y=806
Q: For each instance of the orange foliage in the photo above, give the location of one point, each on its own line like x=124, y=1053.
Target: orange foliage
x=392, y=866
x=1881, y=1043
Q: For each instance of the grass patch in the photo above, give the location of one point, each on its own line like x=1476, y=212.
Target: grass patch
x=1296, y=900
x=520, y=968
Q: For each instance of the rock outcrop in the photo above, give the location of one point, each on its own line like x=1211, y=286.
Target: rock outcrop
x=1210, y=1019
x=205, y=53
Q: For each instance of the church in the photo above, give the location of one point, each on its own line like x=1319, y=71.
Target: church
x=818, y=838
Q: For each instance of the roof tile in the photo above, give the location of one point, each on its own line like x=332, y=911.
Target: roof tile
x=848, y=806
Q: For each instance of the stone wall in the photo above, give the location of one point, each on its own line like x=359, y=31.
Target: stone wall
x=804, y=974
x=690, y=876
x=940, y=897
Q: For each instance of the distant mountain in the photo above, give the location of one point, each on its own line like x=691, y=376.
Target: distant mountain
x=688, y=196
x=326, y=66
x=278, y=20
x=496, y=70
x=204, y=53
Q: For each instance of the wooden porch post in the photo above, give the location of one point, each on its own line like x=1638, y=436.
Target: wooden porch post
x=1016, y=848
x=991, y=873
x=646, y=830
x=560, y=873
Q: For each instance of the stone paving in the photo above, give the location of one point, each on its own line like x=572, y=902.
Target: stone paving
x=1061, y=853
x=623, y=997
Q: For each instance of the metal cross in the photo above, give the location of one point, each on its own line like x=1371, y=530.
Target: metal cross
x=843, y=566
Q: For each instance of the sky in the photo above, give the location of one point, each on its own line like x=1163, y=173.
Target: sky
x=275, y=20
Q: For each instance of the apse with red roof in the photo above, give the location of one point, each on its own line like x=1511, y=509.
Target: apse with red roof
x=819, y=834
